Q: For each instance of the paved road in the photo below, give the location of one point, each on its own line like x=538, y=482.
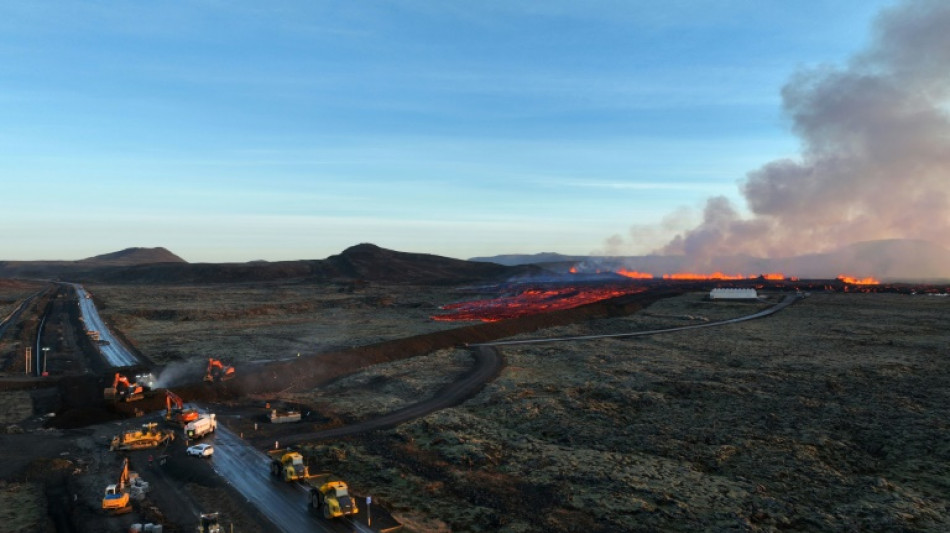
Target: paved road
x=787, y=301
x=284, y=504
x=115, y=353
x=488, y=363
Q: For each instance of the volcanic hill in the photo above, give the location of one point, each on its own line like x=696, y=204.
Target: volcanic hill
x=363, y=262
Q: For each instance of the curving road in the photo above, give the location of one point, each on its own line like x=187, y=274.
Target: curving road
x=787, y=301
x=488, y=363
x=115, y=353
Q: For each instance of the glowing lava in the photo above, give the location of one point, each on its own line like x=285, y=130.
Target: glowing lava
x=634, y=274
x=858, y=281
x=691, y=276
x=530, y=302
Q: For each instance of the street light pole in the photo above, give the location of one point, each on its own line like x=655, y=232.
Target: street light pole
x=45, y=357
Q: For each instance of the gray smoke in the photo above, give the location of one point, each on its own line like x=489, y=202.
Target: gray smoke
x=875, y=159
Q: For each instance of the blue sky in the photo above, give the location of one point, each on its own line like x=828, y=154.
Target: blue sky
x=236, y=131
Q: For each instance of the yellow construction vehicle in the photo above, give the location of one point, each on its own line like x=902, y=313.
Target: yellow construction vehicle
x=149, y=436
x=116, y=498
x=330, y=496
x=287, y=465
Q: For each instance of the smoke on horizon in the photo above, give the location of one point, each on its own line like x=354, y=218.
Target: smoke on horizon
x=875, y=152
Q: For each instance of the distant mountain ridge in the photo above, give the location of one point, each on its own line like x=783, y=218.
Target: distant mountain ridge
x=889, y=260
x=365, y=261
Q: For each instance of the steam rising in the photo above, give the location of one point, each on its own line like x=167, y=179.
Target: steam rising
x=178, y=373
x=875, y=157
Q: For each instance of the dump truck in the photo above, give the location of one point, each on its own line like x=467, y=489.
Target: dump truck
x=218, y=371
x=330, y=496
x=200, y=427
x=115, y=501
x=123, y=390
x=149, y=436
x=287, y=465
x=175, y=411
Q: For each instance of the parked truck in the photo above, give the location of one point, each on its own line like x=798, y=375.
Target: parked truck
x=204, y=424
x=330, y=496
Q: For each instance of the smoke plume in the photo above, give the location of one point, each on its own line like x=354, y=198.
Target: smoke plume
x=875, y=157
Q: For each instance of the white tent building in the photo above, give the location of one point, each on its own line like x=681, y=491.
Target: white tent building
x=733, y=294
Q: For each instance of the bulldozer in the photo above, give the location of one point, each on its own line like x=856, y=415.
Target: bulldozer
x=149, y=436
x=115, y=501
x=175, y=411
x=218, y=371
x=287, y=465
x=331, y=496
x=123, y=390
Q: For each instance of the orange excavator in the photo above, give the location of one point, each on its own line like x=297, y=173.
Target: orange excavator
x=123, y=389
x=175, y=411
x=218, y=371
x=116, y=498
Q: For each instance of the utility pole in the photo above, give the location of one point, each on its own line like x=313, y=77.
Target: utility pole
x=29, y=360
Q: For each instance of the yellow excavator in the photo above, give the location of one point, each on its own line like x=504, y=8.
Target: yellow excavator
x=115, y=501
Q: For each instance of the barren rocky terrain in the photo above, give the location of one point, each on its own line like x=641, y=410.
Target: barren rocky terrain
x=256, y=322
x=831, y=415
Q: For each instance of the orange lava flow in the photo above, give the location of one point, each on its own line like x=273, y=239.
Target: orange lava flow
x=530, y=302
x=859, y=281
x=690, y=276
x=634, y=274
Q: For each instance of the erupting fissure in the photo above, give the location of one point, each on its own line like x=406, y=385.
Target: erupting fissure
x=858, y=281
x=691, y=276
x=530, y=302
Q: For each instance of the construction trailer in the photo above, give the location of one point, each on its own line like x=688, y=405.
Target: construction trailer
x=284, y=417
x=733, y=294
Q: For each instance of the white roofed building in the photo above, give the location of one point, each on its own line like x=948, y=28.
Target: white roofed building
x=733, y=294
